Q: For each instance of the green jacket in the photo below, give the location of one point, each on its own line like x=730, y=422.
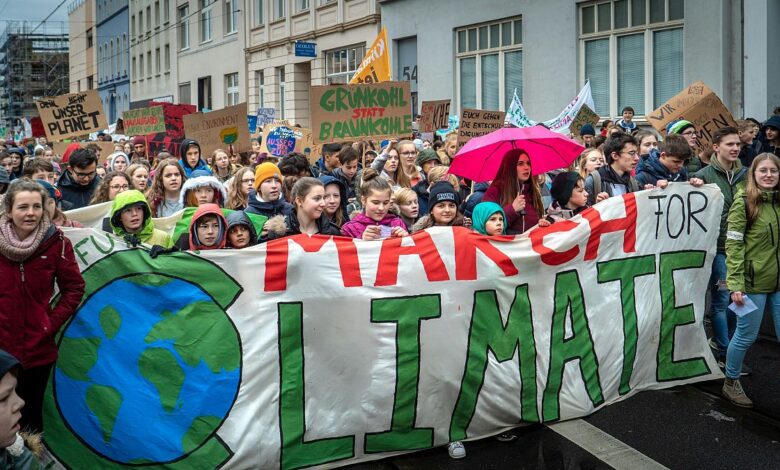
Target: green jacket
x=148, y=234
x=729, y=183
x=752, y=253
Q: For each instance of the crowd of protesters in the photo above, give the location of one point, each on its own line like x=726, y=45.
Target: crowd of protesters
x=366, y=190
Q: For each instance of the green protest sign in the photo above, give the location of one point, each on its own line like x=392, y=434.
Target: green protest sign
x=351, y=112
x=144, y=120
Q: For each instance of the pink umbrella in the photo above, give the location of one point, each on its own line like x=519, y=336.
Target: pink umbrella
x=481, y=157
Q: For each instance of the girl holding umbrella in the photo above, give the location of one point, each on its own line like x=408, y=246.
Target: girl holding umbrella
x=516, y=190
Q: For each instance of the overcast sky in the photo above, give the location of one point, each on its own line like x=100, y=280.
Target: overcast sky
x=35, y=11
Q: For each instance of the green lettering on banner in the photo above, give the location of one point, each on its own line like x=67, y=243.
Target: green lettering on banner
x=407, y=313
x=296, y=452
x=626, y=271
x=488, y=333
x=569, y=299
x=673, y=316
x=326, y=101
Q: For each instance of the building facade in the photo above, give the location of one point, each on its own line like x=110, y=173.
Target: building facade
x=82, y=55
x=33, y=64
x=635, y=53
x=210, y=53
x=342, y=31
x=153, y=47
x=113, y=56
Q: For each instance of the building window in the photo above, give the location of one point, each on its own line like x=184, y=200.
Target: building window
x=278, y=8
x=184, y=93
x=140, y=23
x=258, y=13
x=204, y=94
x=157, y=62
x=301, y=5
x=148, y=19
x=205, y=20
x=157, y=13
x=141, y=67
x=90, y=82
x=490, y=64
x=166, y=11
x=231, y=89
x=135, y=70
x=260, y=79
x=280, y=76
x=184, y=27
x=231, y=16
x=149, y=64
x=632, y=53
x=167, y=57
x=89, y=36
x=341, y=64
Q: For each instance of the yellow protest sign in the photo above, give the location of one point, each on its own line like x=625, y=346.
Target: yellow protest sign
x=375, y=66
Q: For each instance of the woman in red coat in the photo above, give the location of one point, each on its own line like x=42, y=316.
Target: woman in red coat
x=34, y=254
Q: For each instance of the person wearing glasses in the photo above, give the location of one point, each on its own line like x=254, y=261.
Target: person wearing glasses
x=79, y=183
x=114, y=183
x=614, y=178
x=687, y=130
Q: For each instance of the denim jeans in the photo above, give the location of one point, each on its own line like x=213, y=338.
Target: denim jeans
x=747, y=331
x=723, y=321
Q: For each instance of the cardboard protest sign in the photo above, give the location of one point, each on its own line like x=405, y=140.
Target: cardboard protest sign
x=584, y=116
x=106, y=148
x=471, y=334
x=434, y=115
x=698, y=104
x=71, y=115
x=265, y=116
x=279, y=140
x=375, y=66
x=477, y=122
x=142, y=121
x=219, y=129
x=351, y=112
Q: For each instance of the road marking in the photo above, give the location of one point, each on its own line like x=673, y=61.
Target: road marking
x=606, y=448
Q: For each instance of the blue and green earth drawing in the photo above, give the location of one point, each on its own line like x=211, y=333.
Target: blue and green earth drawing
x=148, y=369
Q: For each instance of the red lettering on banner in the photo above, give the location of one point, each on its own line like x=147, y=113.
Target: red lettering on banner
x=549, y=256
x=466, y=245
x=277, y=252
x=387, y=272
x=599, y=227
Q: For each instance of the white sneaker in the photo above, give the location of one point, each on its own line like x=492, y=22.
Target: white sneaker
x=456, y=450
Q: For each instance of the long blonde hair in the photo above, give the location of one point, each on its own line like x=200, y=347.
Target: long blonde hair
x=753, y=197
x=237, y=199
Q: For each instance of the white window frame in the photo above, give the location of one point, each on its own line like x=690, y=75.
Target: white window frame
x=204, y=21
x=301, y=5
x=260, y=80
x=166, y=11
x=281, y=77
x=648, y=29
x=230, y=14
x=167, y=58
x=232, y=90
x=279, y=8
x=479, y=52
x=184, y=27
x=343, y=74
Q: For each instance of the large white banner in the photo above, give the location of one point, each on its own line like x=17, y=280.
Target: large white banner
x=517, y=117
x=329, y=351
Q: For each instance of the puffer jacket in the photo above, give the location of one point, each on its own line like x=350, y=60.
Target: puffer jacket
x=729, y=183
x=148, y=234
x=265, y=208
x=753, y=253
x=28, y=322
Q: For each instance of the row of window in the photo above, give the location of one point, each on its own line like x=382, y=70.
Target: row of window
x=205, y=15
x=112, y=59
x=232, y=92
x=138, y=68
x=278, y=9
x=162, y=15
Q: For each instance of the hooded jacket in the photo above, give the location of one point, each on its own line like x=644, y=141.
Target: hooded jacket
x=654, y=170
x=185, y=144
x=148, y=234
x=112, y=160
x=189, y=240
x=355, y=227
x=268, y=209
x=199, y=181
x=240, y=218
x=74, y=193
x=729, y=183
x=353, y=185
x=29, y=322
x=753, y=253
x=326, y=180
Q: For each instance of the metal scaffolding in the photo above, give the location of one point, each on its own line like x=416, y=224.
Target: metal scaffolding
x=33, y=64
